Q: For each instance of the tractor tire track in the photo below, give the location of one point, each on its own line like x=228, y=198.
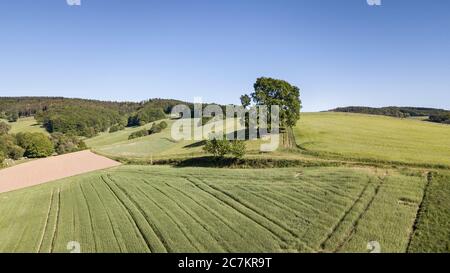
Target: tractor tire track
x=105, y=208
x=215, y=214
x=89, y=216
x=55, y=228
x=137, y=229
x=169, y=215
x=230, y=204
x=420, y=211
x=47, y=220
x=195, y=218
x=358, y=219
x=346, y=214
x=153, y=227
x=279, y=205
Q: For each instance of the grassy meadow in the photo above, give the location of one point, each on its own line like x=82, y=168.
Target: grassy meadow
x=378, y=138
x=28, y=124
x=165, y=209
x=160, y=145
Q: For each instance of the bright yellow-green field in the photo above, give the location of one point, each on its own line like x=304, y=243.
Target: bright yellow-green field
x=26, y=125
x=374, y=138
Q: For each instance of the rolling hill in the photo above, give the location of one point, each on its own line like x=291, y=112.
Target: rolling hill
x=374, y=138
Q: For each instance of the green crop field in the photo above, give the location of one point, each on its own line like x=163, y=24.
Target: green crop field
x=379, y=138
x=165, y=209
x=26, y=125
x=433, y=225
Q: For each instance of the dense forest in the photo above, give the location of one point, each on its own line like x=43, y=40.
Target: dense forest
x=86, y=118
x=434, y=115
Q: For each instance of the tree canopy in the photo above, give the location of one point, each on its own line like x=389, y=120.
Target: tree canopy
x=269, y=92
x=36, y=145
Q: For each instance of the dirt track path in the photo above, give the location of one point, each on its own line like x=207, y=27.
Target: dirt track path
x=52, y=168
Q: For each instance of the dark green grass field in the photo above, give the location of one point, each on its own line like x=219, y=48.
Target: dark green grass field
x=432, y=233
x=165, y=209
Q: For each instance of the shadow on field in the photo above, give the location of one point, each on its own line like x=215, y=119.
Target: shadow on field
x=196, y=144
x=250, y=163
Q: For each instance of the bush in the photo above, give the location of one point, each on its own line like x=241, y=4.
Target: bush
x=4, y=128
x=163, y=125
x=138, y=134
x=238, y=148
x=2, y=158
x=9, y=148
x=217, y=147
x=13, y=116
x=116, y=128
x=36, y=145
x=221, y=147
x=156, y=128
x=16, y=152
x=64, y=144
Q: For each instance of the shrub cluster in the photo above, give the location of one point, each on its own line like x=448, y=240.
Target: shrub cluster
x=219, y=148
x=64, y=144
x=116, y=128
x=442, y=118
x=156, y=128
x=146, y=115
x=141, y=133
x=36, y=145
x=4, y=128
x=9, y=148
x=8, y=144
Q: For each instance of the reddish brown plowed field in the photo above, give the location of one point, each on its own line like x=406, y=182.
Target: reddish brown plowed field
x=52, y=168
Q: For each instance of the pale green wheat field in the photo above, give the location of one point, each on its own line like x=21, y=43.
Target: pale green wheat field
x=164, y=209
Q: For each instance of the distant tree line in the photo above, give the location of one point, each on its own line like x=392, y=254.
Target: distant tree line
x=30, y=106
x=441, y=118
x=434, y=115
x=85, y=117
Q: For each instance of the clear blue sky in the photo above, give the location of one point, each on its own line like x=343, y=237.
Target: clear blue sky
x=339, y=52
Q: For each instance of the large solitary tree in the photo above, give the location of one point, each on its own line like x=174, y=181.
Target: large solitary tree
x=269, y=91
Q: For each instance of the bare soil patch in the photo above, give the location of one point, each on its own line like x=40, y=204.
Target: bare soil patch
x=52, y=168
